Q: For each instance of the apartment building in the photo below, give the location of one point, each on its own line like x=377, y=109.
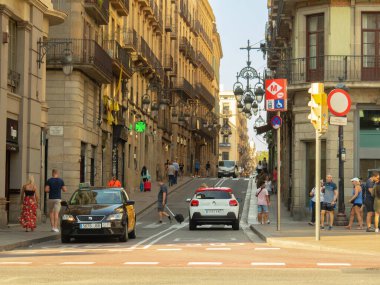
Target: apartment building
x=131, y=98
x=329, y=42
x=23, y=108
x=234, y=141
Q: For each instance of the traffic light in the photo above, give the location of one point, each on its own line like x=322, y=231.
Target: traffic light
x=318, y=107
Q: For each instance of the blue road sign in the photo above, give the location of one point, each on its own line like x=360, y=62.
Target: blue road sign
x=276, y=122
x=279, y=104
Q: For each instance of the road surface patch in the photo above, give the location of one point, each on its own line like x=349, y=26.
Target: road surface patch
x=268, y=263
x=218, y=248
x=169, y=249
x=77, y=263
x=141, y=263
x=15, y=263
x=267, y=248
x=204, y=263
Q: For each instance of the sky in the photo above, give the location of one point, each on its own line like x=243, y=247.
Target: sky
x=237, y=22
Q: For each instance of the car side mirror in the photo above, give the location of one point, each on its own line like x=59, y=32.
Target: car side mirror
x=188, y=200
x=130, y=203
x=64, y=203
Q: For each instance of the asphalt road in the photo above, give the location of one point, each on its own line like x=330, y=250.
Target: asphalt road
x=171, y=254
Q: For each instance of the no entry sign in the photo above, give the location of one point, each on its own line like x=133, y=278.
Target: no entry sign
x=339, y=102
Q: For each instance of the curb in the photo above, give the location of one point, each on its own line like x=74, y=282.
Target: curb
x=304, y=245
x=170, y=192
x=30, y=242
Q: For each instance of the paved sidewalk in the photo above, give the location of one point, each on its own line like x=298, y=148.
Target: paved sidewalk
x=15, y=236
x=299, y=234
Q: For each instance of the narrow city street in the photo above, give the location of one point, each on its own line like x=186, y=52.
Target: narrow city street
x=171, y=254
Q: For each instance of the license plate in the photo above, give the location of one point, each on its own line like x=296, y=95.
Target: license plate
x=90, y=226
x=213, y=211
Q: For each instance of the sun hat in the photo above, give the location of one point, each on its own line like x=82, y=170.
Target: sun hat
x=355, y=179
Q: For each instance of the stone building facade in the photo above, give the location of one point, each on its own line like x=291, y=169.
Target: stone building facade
x=329, y=42
x=154, y=62
x=23, y=107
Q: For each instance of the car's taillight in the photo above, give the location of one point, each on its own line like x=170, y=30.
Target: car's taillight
x=233, y=202
x=194, y=203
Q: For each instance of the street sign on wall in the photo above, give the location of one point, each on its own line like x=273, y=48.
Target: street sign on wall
x=339, y=102
x=276, y=95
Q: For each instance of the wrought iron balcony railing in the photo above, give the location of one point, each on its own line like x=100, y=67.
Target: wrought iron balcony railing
x=206, y=65
x=121, y=6
x=183, y=85
x=87, y=56
x=98, y=10
x=329, y=68
x=205, y=94
x=13, y=80
x=131, y=40
x=119, y=55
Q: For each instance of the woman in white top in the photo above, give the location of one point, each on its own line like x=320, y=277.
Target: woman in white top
x=312, y=194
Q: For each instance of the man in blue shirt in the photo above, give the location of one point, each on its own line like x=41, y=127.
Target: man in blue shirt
x=330, y=197
x=368, y=199
x=54, y=186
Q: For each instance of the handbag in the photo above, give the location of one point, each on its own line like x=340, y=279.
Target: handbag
x=257, y=194
x=141, y=186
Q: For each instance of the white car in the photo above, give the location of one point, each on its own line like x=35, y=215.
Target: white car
x=213, y=206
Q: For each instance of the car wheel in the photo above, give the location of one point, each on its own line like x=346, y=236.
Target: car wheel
x=124, y=237
x=235, y=225
x=192, y=225
x=219, y=176
x=65, y=238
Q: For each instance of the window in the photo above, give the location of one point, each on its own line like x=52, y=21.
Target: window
x=226, y=139
x=225, y=155
x=370, y=45
x=13, y=76
x=92, y=166
x=315, y=46
x=82, y=162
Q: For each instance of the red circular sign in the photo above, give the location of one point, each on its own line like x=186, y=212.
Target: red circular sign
x=339, y=102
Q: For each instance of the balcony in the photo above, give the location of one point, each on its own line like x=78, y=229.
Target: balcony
x=329, y=68
x=98, y=12
x=120, y=56
x=88, y=57
x=224, y=144
x=173, y=72
x=206, y=65
x=181, y=84
x=131, y=40
x=121, y=6
x=13, y=80
x=174, y=31
x=205, y=95
x=168, y=63
x=196, y=26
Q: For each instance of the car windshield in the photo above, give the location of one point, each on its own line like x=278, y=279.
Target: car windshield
x=213, y=194
x=90, y=197
x=227, y=163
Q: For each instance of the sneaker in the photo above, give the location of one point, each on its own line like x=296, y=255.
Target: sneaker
x=377, y=230
x=56, y=230
x=370, y=230
x=311, y=224
x=322, y=228
x=170, y=219
x=330, y=228
x=268, y=222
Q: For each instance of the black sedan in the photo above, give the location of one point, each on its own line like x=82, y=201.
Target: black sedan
x=94, y=211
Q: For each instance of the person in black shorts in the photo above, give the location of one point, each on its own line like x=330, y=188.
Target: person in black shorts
x=330, y=197
x=368, y=199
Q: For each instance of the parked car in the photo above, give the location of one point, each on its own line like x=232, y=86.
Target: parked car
x=213, y=206
x=98, y=211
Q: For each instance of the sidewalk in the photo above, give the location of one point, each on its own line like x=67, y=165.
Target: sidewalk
x=15, y=236
x=298, y=234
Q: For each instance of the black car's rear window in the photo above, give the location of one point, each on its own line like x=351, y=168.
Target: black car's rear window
x=90, y=197
x=213, y=195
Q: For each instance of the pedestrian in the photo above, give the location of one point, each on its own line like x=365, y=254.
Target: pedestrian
x=263, y=202
x=54, y=186
x=197, y=167
x=274, y=179
x=181, y=166
x=29, y=201
x=313, y=199
x=162, y=200
x=268, y=184
x=259, y=168
x=114, y=182
x=376, y=196
x=330, y=197
x=265, y=164
x=145, y=176
x=208, y=166
x=357, y=202
x=368, y=199
x=176, y=167
x=171, y=174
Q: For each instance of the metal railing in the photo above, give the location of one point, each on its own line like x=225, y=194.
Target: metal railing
x=168, y=62
x=97, y=8
x=13, y=80
x=205, y=94
x=184, y=85
x=131, y=40
x=207, y=66
x=120, y=4
x=329, y=68
x=118, y=53
x=84, y=52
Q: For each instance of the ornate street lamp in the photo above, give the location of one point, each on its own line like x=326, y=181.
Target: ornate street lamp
x=240, y=107
x=259, y=93
x=255, y=108
x=146, y=101
x=154, y=108
x=248, y=99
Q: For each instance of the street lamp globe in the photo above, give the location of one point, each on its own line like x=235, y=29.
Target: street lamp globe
x=248, y=100
x=240, y=107
x=255, y=108
x=145, y=101
x=67, y=62
x=238, y=92
x=259, y=93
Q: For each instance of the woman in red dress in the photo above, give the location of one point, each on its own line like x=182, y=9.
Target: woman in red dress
x=29, y=200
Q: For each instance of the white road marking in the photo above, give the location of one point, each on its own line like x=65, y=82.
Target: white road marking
x=267, y=248
x=218, y=244
x=235, y=179
x=233, y=239
x=169, y=249
x=333, y=264
x=78, y=263
x=193, y=244
x=213, y=178
x=165, y=235
x=153, y=225
x=246, y=179
x=14, y=263
x=24, y=252
x=140, y=263
x=218, y=248
x=268, y=264
x=151, y=237
x=138, y=223
x=205, y=263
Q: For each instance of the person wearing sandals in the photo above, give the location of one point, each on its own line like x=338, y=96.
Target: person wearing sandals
x=357, y=202
x=29, y=201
